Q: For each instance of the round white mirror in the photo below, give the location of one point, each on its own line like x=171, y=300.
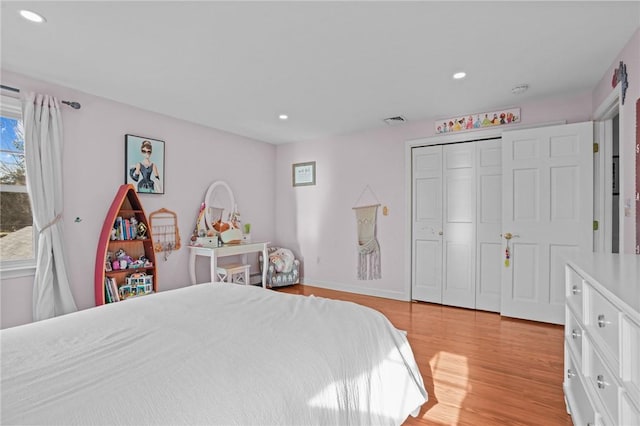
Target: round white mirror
x=219, y=204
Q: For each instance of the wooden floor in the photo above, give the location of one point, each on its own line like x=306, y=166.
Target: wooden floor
x=478, y=367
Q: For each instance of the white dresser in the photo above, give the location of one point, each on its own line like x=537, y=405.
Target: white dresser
x=602, y=339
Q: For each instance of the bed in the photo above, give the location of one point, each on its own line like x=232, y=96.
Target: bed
x=211, y=354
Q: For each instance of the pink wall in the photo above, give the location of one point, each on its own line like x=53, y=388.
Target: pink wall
x=94, y=161
x=630, y=55
x=318, y=221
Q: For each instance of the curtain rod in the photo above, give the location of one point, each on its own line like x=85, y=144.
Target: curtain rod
x=74, y=105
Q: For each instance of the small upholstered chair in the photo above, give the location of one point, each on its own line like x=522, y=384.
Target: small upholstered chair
x=282, y=268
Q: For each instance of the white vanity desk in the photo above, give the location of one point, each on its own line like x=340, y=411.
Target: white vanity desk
x=219, y=204
x=602, y=339
x=213, y=253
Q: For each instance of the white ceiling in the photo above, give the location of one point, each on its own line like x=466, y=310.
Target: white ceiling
x=333, y=67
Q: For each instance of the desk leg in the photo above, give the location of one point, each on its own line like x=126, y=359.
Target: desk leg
x=214, y=261
x=192, y=266
x=265, y=264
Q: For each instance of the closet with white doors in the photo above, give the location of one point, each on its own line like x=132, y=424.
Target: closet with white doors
x=534, y=186
x=456, y=224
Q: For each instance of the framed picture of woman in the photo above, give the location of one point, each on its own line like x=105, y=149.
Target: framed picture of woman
x=144, y=164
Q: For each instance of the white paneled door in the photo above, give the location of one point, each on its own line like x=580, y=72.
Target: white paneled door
x=427, y=224
x=444, y=225
x=547, y=194
x=488, y=224
x=459, y=225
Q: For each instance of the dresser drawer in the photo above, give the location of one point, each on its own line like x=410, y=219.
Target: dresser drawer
x=630, y=356
x=603, y=384
x=581, y=410
x=573, y=334
x=603, y=321
x=573, y=288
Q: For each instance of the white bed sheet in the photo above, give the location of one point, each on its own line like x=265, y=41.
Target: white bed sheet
x=211, y=354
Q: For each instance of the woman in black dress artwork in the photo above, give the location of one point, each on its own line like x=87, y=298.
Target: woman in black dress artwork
x=147, y=171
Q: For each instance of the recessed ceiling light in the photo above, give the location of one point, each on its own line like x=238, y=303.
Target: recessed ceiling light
x=283, y=116
x=459, y=75
x=520, y=88
x=32, y=16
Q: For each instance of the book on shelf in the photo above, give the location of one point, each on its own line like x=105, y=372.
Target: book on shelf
x=114, y=289
x=118, y=227
x=125, y=229
x=107, y=290
x=111, y=290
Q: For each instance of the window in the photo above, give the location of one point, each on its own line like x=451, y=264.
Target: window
x=17, y=239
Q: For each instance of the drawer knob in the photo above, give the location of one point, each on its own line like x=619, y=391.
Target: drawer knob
x=601, y=321
x=570, y=373
x=575, y=334
x=600, y=381
x=575, y=290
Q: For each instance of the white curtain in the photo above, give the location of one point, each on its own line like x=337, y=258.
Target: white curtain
x=43, y=160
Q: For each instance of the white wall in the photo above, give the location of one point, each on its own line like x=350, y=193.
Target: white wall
x=93, y=159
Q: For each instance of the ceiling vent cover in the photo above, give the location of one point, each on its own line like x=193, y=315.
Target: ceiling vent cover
x=394, y=121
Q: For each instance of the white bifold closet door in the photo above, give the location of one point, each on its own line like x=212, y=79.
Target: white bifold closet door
x=456, y=224
x=489, y=252
x=459, y=225
x=427, y=229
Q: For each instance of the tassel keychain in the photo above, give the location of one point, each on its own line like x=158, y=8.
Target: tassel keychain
x=507, y=255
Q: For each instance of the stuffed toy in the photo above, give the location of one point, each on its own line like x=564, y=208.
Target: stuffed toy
x=282, y=260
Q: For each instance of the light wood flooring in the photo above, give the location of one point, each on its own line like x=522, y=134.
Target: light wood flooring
x=478, y=367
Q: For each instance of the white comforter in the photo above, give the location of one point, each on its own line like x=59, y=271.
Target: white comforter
x=211, y=354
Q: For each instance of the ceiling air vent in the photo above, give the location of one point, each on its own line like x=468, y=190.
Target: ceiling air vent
x=394, y=121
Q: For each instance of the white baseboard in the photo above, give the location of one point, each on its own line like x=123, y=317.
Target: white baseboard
x=395, y=295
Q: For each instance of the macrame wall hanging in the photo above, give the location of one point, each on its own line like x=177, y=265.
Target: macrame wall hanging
x=368, y=247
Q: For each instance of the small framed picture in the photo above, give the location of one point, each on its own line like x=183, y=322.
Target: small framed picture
x=144, y=164
x=107, y=266
x=304, y=174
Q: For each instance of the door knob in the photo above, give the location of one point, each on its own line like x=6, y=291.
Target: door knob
x=509, y=235
x=600, y=381
x=602, y=322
